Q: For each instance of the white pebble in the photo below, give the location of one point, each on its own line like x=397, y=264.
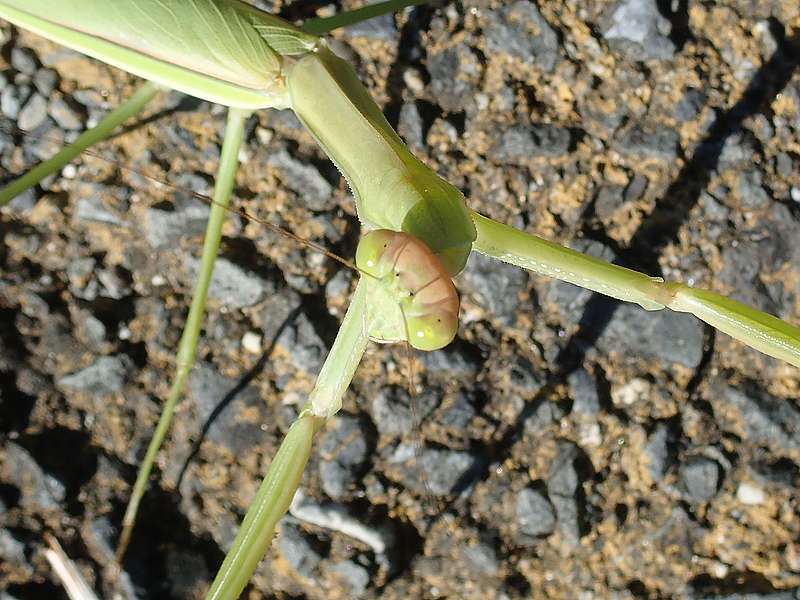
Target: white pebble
x=719, y=569
x=795, y=194
x=69, y=172
x=750, y=494
x=251, y=342
x=158, y=280
x=589, y=435
x=635, y=390
x=413, y=80
x=264, y=135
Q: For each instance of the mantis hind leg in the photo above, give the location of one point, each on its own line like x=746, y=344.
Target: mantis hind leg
x=187, y=347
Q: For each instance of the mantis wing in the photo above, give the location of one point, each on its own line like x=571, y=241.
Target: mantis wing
x=224, y=51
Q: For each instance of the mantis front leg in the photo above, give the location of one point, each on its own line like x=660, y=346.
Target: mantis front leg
x=278, y=487
x=378, y=305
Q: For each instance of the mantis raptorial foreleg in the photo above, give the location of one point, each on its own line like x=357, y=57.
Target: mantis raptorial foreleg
x=276, y=491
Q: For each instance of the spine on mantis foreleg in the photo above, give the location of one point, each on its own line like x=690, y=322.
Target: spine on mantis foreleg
x=393, y=189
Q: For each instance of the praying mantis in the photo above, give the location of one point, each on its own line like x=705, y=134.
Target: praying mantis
x=388, y=183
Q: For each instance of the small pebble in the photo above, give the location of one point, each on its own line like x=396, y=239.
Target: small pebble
x=795, y=194
x=33, y=113
x=297, y=549
x=353, y=576
x=45, y=81
x=69, y=172
x=520, y=31
x=641, y=30
x=700, y=478
x=656, y=452
x=264, y=135
x=632, y=392
x=749, y=494
x=65, y=115
x=24, y=60
x=11, y=100
x=582, y=388
x=413, y=80
x=251, y=342
x=230, y=283
x=304, y=178
x=104, y=377
x=535, y=514
x=720, y=570
x=481, y=558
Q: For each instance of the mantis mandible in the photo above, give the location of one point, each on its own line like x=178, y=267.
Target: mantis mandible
x=393, y=191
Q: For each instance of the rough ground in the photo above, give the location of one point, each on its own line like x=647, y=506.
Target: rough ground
x=572, y=447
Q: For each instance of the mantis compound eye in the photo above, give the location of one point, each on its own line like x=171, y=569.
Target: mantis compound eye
x=417, y=282
x=372, y=250
x=432, y=331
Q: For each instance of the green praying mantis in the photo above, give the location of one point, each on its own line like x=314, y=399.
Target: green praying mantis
x=422, y=230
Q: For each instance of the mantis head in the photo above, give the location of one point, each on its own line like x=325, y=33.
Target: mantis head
x=416, y=296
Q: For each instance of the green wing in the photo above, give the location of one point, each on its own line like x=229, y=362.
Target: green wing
x=222, y=50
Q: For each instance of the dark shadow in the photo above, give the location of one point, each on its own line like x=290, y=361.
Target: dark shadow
x=148, y=564
x=15, y=405
x=300, y=10
x=735, y=583
x=677, y=13
x=240, y=386
x=67, y=455
x=671, y=212
x=35, y=590
x=185, y=104
x=410, y=50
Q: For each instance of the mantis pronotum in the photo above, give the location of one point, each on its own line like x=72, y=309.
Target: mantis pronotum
x=308, y=86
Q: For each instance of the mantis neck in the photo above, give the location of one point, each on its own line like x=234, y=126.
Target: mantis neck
x=393, y=189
